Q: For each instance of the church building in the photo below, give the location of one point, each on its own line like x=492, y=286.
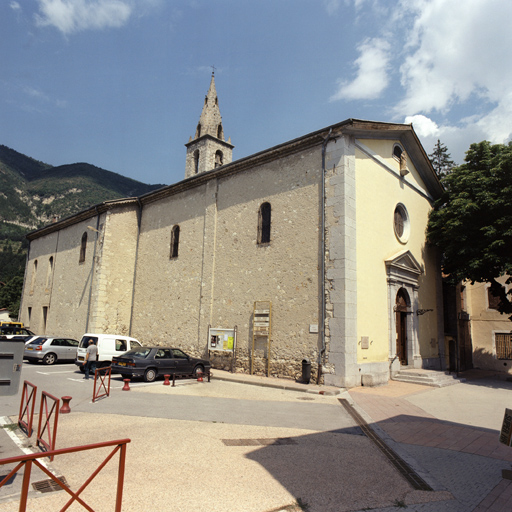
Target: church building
x=313, y=249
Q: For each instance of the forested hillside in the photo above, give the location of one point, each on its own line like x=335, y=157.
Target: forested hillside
x=33, y=194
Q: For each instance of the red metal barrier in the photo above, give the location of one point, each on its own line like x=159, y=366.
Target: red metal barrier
x=29, y=460
x=46, y=425
x=102, y=373
x=27, y=404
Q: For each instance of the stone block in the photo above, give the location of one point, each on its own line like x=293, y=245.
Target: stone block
x=374, y=379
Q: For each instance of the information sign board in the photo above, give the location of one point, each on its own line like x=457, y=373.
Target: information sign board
x=506, y=428
x=222, y=339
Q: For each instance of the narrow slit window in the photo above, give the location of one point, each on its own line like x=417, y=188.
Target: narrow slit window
x=175, y=241
x=83, y=248
x=49, y=273
x=33, y=280
x=196, y=161
x=264, y=223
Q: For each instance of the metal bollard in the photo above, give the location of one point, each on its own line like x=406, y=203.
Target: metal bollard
x=166, y=380
x=65, y=405
x=126, y=386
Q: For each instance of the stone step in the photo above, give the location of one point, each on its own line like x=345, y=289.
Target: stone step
x=432, y=378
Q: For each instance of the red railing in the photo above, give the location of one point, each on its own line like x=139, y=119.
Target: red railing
x=45, y=426
x=28, y=460
x=102, y=373
x=27, y=404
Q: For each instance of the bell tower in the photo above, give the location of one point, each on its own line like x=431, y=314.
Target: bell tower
x=208, y=149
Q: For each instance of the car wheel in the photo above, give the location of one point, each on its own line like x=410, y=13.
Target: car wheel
x=50, y=358
x=197, y=370
x=150, y=375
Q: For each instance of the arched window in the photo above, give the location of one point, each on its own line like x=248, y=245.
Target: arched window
x=220, y=134
x=49, y=273
x=196, y=161
x=175, y=241
x=264, y=222
x=198, y=130
x=83, y=248
x=219, y=158
x=397, y=151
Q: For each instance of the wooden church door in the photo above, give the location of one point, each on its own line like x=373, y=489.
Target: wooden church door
x=401, y=327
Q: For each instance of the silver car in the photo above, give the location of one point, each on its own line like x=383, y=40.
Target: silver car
x=50, y=349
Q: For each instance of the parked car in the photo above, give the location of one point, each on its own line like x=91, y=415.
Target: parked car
x=50, y=349
x=109, y=345
x=150, y=362
x=14, y=330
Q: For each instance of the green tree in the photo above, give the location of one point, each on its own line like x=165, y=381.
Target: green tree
x=471, y=223
x=441, y=160
x=10, y=295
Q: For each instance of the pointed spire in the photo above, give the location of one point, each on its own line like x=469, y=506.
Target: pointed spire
x=210, y=122
x=208, y=149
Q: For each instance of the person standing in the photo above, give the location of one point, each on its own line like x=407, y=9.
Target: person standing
x=90, y=358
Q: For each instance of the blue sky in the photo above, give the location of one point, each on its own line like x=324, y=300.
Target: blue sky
x=120, y=83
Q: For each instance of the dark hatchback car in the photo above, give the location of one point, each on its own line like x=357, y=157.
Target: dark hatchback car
x=150, y=362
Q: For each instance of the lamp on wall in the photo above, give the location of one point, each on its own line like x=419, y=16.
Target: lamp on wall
x=93, y=229
x=423, y=311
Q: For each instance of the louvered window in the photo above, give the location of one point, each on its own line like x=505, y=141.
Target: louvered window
x=503, y=345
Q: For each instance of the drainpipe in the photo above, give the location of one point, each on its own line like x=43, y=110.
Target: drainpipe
x=24, y=282
x=139, y=222
x=92, y=269
x=321, y=355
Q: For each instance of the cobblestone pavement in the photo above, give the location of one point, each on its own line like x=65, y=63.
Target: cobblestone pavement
x=465, y=460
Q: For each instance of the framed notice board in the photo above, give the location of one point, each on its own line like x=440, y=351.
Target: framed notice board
x=222, y=340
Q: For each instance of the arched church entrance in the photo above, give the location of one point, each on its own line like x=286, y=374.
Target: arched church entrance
x=401, y=308
x=403, y=273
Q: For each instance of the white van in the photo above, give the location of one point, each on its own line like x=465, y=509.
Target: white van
x=109, y=345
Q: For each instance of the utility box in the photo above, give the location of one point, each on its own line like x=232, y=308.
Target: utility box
x=11, y=361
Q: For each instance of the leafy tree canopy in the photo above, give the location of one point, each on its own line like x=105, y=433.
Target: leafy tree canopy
x=441, y=160
x=472, y=222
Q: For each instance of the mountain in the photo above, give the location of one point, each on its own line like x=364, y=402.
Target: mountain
x=33, y=193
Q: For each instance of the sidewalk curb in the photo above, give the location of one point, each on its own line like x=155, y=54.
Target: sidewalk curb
x=270, y=383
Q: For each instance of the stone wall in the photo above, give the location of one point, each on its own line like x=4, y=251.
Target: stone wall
x=221, y=270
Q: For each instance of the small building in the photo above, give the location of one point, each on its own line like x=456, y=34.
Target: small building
x=5, y=315
x=328, y=228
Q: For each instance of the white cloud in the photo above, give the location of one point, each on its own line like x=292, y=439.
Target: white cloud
x=70, y=16
x=372, y=74
x=452, y=53
x=15, y=6
x=40, y=97
x=423, y=126
x=332, y=6
x=452, y=60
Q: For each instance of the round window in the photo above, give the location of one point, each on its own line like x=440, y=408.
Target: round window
x=401, y=223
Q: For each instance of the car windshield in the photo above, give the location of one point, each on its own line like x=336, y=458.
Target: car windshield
x=139, y=352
